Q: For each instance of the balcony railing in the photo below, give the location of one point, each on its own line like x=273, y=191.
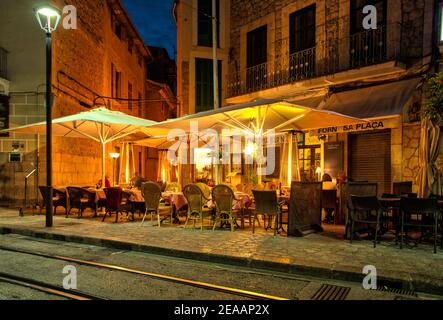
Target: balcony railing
x=3, y=63
x=326, y=58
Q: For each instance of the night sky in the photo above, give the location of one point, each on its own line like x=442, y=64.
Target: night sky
x=154, y=21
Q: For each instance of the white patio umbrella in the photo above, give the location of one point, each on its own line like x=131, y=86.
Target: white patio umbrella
x=260, y=117
x=429, y=176
x=101, y=125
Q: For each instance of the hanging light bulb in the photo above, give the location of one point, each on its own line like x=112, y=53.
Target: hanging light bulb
x=250, y=149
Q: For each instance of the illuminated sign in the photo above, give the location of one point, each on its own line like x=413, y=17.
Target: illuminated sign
x=370, y=125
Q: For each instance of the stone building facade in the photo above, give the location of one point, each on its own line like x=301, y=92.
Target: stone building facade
x=342, y=57
x=102, y=62
x=190, y=49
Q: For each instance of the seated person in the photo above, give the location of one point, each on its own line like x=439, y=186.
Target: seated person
x=137, y=180
x=328, y=185
x=107, y=183
x=341, y=177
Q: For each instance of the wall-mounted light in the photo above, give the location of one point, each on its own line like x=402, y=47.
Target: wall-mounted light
x=114, y=155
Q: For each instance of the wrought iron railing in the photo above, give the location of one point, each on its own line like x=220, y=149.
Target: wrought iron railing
x=3, y=63
x=368, y=48
x=326, y=58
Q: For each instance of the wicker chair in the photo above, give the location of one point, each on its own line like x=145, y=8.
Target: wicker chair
x=205, y=189
x=196, y=204
x=173, y=187
x=152, y=194
x=59, y=199
x=81, y=199
x=430, y=215
x=224, y=197
x=266, y=204
x=366, y=210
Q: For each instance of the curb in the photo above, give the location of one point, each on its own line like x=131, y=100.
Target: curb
x=417, y=285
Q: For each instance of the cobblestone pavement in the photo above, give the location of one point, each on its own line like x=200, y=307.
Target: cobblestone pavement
x=326, y=254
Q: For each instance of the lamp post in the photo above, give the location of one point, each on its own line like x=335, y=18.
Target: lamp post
x=114, y=156
x=48, y=17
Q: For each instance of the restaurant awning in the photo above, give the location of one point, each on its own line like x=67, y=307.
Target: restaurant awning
x=101, y=125
x=374, y=101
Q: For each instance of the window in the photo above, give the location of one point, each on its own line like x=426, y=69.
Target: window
x=116, y=79
x=130, y=45
x=357, y=14
x=204, y=84
x=309, y=159
x=368, y=46
x=257, y=56
x=130, y=96
x=116, y=26
x=302, y=43
x=302, y=29
x=257, y=46
x=205, y=23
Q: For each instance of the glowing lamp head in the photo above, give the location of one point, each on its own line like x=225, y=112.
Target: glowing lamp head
x=114, y=155
x=48, y=17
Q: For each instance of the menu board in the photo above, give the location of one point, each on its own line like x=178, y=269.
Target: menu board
x=4, y=115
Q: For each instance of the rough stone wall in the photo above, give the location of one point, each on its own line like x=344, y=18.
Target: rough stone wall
x=411, y=141
x=81, y=53
x=413, y=24
x=81, y=70
x=184, y=102
x=332, y=23
x=25, y=108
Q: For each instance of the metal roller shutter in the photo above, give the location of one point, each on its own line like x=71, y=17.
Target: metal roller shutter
x=370, y=159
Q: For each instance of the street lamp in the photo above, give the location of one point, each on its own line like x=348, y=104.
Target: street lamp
x=114, y=156
x=48, y=17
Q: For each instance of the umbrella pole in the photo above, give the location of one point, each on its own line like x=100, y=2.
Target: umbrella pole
x=102, y=137
x=103, y=164
x=290, y=145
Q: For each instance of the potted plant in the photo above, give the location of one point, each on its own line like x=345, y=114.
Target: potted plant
x=433, y=107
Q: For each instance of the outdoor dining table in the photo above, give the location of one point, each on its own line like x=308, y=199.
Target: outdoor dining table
x=136, y=195
x=179, y=200
x=99, y=194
